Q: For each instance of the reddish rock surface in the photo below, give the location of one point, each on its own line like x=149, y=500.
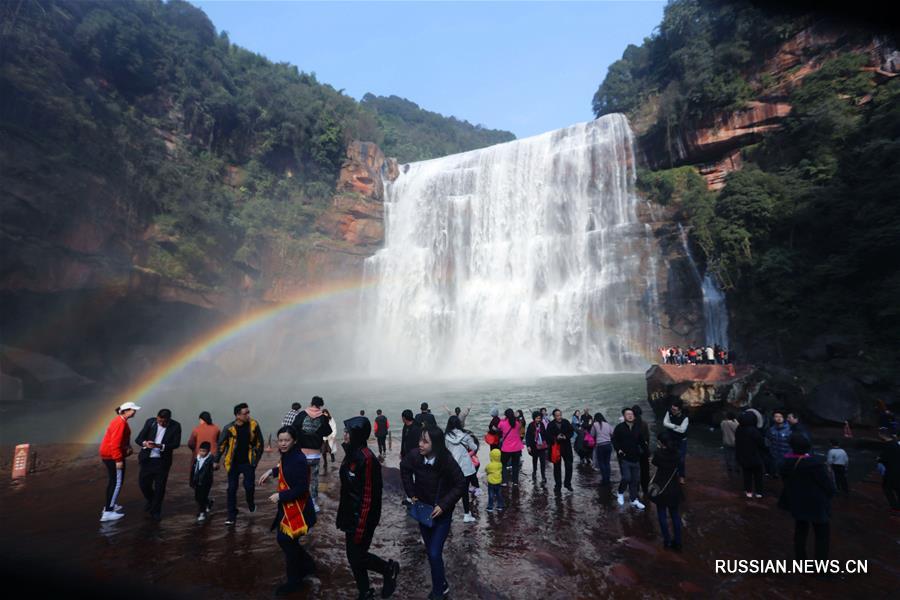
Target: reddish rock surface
x=582, y=542
x=700, y=386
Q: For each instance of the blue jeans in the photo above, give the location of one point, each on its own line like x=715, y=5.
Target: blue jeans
x=249, y=473
x=434, y=538
x=602, y=454
x=494, y=494
x=682, y=453
x=664, y=526
x=631, y=477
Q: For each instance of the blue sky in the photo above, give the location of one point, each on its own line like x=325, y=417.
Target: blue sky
x=527, y=67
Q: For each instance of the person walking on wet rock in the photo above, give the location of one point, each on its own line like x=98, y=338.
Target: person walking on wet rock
x=665, y=490
x=602, y=432
x=559, y=434
x=433, y=479
x=645, y=447
x=750, y=452
x=382, y=428
x=777, y=438
x=889, y=461
x=312, y=428
x=677, y=422
x=240, y=447
x=294, y=516
x=838, y=461
x=202, y=480
x=409, y=436
x=536, y=442
x=729, y=426
x=807, y=495
x=205, y=431
x=359, y=510
x=462, y=446
x=158, y=439
x=626, y=441
x=510, y=447
x=114, y=449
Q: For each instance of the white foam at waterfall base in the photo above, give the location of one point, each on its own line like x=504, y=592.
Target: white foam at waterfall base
x=521, y=259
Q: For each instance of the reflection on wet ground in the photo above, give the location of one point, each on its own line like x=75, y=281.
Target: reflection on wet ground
x=577, y=545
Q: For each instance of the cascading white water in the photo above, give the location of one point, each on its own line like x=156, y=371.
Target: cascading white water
x=525, y=258
x=715, y=312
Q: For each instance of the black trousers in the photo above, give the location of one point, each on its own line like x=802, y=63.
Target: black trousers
x=115, y=477
x=840, y=478
x=566, y=457
x=362, y=561
x=645, y=472
x=801, y=531
x=297, y=561
x=152, y=481
x=382, y=443
x=539, y=456
x=201, y=495
x=753, y=477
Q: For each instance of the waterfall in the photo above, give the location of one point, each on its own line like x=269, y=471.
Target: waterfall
x=524, y=258
x=715, y=312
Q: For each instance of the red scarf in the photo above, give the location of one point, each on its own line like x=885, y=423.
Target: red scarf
x=293, y=524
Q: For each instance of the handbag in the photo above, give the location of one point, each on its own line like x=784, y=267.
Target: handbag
x=654, y=491
x=421, y=512
x=491, y=439
x=555, y=454
x=589, y=440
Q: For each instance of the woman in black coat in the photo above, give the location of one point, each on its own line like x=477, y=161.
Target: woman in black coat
x=537, y=444
x=295, y=510
x=359, y=510
x=665, y=459
x=431, y=475
x=750, y=452
x=807, y=495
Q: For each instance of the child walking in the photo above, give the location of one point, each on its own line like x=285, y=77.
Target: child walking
x=494, y=472
x=202, y=480
x=838, y=459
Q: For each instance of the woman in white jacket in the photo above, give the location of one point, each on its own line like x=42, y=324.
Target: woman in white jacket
x=460, y=443
x=330, y=441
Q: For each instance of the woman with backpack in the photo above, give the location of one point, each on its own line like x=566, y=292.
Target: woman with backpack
x=463, y=446
x=665, y=489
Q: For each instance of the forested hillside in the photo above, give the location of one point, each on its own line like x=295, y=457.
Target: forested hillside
x=800, y=236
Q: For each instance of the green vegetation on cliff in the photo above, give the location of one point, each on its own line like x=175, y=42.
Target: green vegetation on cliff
x=411, y=133
x=805, y=237
x=219, y=148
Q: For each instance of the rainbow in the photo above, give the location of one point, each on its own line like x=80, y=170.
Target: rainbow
x=211, y=341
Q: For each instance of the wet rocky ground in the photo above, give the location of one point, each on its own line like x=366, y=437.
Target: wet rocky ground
x=577, y=545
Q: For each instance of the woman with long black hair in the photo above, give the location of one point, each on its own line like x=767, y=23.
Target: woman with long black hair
x=295, y=510
x=510, y=447
x=432, y=477
x=666, y=488
x=602, y=432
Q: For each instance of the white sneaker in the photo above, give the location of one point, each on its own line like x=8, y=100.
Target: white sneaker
x=637, y=504
x=620, y=498
x=117, y=508
x=477, y=492
x=110, y=515
x=468, y=518
x=201, y=517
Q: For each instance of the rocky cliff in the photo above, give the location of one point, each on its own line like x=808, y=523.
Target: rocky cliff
x=714, y=145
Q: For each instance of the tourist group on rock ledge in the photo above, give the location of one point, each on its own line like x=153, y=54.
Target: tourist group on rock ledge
x=697, y=355
x=439, y=467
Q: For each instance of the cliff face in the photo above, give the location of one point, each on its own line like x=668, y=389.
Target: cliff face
x=75, y=282
x=714, y=145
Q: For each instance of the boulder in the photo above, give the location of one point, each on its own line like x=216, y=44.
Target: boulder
x=40, y=376
x=837, y=400
x=704, y=389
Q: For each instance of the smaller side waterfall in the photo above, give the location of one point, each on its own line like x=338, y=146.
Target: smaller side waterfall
x=715, y=312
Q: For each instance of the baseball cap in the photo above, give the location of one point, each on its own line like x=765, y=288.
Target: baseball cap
x=129, y=406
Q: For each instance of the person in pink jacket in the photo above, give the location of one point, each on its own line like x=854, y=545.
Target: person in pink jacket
x=510, y=447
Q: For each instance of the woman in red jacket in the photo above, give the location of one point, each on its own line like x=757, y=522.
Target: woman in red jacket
x=116, y=445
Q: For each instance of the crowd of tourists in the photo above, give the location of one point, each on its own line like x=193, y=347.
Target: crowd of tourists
x=440, y=468
x=710, y=354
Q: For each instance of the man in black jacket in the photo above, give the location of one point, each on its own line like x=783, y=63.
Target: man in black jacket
x=425, y=419
x=627, y=442
x=360, y=509
x=559, y=432
x=409, y=437
x=159, y=437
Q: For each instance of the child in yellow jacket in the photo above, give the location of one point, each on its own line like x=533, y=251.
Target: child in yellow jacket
x=494, y=471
